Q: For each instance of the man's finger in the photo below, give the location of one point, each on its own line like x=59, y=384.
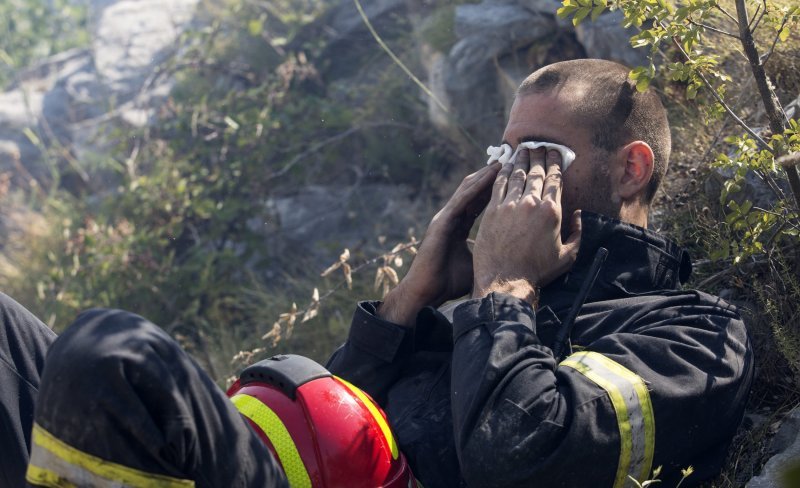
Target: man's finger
x=475, y=197
x=516, y=181
x=552, y=182
x=501, y=184
x=473, y=184
x=573, y=242
x=476, y=177
x=536, y=174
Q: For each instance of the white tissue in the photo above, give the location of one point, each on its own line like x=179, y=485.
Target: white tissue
x=505, y=155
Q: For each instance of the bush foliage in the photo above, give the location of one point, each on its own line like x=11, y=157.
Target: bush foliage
x=180, y=237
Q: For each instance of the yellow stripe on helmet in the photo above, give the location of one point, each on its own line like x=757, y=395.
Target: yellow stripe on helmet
x=269, y=422
x=373, y=409
x=55, y=463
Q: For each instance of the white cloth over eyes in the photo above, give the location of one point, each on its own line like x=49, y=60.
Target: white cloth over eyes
x=505, y=155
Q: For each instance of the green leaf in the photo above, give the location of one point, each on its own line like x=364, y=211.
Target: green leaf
x=4, y=57
x=691, y=91
x=642, y=83
x=566, y=11
x=32, y=137
x=597, y=11
x=582, y=13
x=784, y=34
x=255, y=27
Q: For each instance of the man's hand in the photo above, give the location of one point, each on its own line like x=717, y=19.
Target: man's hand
x=442, y=269
x=518, y=248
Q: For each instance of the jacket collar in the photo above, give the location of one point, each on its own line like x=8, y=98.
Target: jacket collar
x=639, y=261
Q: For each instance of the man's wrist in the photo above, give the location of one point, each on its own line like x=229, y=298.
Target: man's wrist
x=400, y=306
x=519, y=288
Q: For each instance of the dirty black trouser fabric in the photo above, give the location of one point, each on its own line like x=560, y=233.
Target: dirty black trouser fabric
x=117, y=387
x=24, y=340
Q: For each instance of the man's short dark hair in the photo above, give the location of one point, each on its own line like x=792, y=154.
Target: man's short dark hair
x=607, y=101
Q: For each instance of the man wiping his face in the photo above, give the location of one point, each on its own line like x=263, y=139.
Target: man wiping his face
x=559, y=350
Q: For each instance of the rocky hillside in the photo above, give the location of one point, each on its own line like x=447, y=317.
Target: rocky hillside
x=201, y=162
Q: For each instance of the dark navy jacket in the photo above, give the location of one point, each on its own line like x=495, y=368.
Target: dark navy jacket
x=658, y=376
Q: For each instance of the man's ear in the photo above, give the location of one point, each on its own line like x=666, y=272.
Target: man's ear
x=638, y=158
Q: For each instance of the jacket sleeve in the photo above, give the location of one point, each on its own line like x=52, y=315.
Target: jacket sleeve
x=374, y=353
x=667, y=389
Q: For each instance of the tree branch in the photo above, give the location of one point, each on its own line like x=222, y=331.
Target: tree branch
x=755, y=21
x=713, y=29
x=772, y=106
x=758, y=9
x=775, y=115
x=766, y=56
x=719, y=7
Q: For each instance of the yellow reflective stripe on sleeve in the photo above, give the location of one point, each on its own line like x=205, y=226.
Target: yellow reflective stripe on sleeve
x=632, y=406
x=387, y=432
x=269, y=422
x=54, y=463
x=37, y=476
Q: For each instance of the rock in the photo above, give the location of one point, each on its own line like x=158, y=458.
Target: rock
x=502, y=23
x=38, y=109
x=605, y=38
x=130, y=39
x=68, y=100
x=488, y=31
x=792, y=107
x=316, y=222
x=345, y=20
x=348, y=41
x=787, y=445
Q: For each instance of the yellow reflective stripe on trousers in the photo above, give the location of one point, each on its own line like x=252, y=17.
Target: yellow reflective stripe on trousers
x=54, y=463
x=373, y=409
x=269, y=422
x=634, y=411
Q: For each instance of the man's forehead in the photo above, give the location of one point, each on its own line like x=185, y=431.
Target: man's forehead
x=540, y=117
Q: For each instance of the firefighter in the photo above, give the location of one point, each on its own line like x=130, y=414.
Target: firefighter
x=121, y=404
x=479, y=391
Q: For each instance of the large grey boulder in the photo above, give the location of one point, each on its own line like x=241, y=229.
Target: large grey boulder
x=499, y=42
x=605, y=38
x=486, y=32
x=38, y=111
x=786, y=444
x=130, y=40
x=314, y=223
x=348, y=42
x=70, y=101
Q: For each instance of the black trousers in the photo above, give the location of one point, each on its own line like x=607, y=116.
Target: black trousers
x=116, y=387
x=24, y=341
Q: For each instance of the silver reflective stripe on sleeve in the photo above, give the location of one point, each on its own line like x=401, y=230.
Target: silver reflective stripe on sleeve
x=631, y=400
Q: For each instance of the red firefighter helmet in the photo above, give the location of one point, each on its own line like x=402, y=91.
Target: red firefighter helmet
x=324, y=431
